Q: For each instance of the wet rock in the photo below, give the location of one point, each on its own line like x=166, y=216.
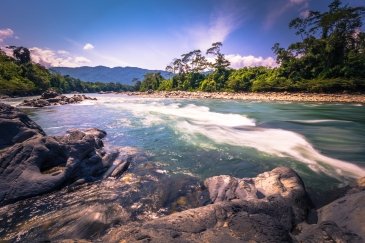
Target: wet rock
x=50, y=98
x=261, y=209
x=16, y=127
x=328, y=231
x=347, y=212
x=281, y=184
x=32, y=163
x=49, y=94
x=90, y=210
x=46, y=163
x=338, y=221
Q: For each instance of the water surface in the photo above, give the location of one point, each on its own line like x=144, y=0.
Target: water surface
x=324, y=143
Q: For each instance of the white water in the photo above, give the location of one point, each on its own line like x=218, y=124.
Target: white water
x=238, y=130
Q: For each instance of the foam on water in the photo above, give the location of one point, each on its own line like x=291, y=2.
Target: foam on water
x=239, y=130
x=317, y=121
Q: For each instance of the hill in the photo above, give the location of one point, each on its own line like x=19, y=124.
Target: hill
x=20, y=76
x=124, y=75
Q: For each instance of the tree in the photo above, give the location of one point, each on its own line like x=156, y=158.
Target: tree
x=151, y=81
x=21, y=54
x=220, y=61
x=332, y=44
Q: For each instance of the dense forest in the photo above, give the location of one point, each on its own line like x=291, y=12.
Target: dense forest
x=19, y=76
x=329, y=58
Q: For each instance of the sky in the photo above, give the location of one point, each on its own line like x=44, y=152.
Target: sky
x=150, y=33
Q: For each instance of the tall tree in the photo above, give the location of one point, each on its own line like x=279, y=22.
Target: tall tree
x=220, y=61
x=329, y=40
x=21, y=54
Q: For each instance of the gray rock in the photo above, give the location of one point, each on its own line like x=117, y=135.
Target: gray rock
x=53, y=98
x=347, y=212
x=49, y=94
x=339, y=221
x=261, y=209
x=46, y=163
x=281, y=184
x=327, y=231
x=16, y=127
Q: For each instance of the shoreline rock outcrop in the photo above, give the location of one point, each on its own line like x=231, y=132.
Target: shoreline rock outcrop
x=15, y=126
x=32, y=163
x=51, y=97
x=261, y=209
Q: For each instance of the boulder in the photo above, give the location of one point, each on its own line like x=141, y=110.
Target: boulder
x=32, y=163
x=45, y=163
x=281, y=184
x=49, y=94
x=50, y=98
x=89, y=210
x=16, y=127
x=261, y=209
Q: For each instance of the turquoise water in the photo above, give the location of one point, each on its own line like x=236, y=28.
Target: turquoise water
x=324, y=143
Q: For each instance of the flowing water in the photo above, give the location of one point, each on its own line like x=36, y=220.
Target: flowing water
x=324, y=143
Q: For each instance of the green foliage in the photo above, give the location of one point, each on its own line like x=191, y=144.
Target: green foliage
x=151, y=81
x=18, y=76
x=208, y=85
x=332, y=46
x=242, y=79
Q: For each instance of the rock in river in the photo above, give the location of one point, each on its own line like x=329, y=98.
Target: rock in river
x=15, y=126
x=52, y=98
x=32, y=163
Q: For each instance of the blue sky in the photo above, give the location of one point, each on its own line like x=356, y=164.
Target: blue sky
x=149, y=33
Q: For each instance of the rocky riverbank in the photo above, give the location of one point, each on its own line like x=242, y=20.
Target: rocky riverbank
x=75, y=187
x=250, y=96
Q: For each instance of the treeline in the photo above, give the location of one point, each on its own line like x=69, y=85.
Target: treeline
x=19, y=76
x=329, y=58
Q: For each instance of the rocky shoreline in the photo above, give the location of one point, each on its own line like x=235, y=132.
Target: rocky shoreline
x=75, y=187
x=250, y=96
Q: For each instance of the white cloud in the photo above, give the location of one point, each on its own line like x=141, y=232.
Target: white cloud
x=279, y=10
x=225, y=19
x=50, y=58
x=88, y=46
x=5, y=33
x=238, y=61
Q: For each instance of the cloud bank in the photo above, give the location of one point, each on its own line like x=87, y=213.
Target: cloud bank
x=6, y=33
x=50, y=58
x=238, y=61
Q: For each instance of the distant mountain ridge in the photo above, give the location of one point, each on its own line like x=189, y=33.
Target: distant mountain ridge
x=123, y=75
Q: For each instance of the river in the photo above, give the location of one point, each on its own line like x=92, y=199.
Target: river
x=324, y=143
